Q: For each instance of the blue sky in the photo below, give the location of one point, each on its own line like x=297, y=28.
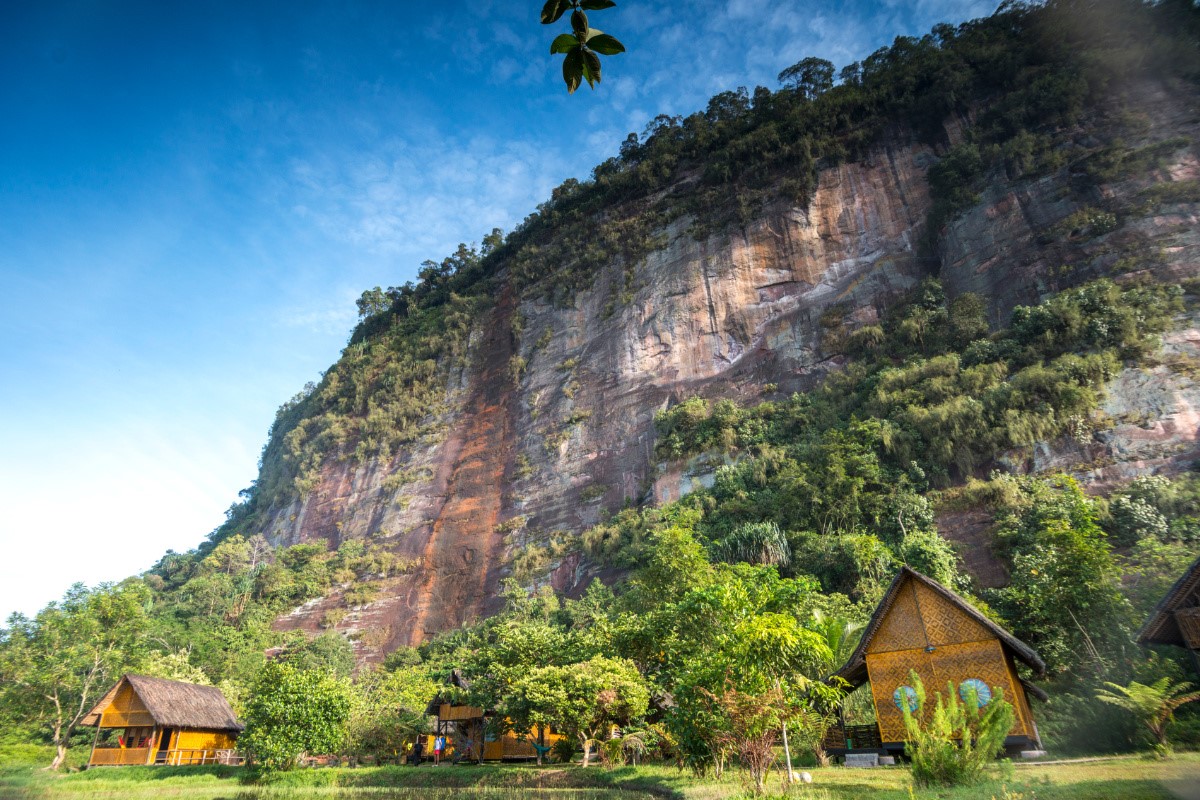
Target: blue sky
x=192, y=195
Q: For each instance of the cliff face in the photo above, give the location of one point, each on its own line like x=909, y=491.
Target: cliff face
x=524, y=454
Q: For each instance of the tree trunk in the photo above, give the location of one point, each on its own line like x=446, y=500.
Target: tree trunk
x=787, y=754
x=60, y=755
x=60, y=741
x=586, y=752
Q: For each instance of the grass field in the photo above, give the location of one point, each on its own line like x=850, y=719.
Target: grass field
x=1116, y=779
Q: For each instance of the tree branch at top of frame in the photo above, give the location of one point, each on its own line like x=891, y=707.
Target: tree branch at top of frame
x=584, y=45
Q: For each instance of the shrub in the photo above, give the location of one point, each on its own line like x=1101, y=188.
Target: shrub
x=954, y=743
x=291, y=712
x=1153, y=705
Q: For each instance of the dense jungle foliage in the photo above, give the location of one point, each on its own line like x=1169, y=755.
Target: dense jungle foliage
x=740, y=597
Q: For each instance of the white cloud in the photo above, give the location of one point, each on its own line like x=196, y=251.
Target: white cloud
x=421, y=198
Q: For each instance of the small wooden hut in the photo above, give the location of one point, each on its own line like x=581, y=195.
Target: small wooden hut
x=1176, y=620
x=465, y=727
x=922, y=626
x=163, y=722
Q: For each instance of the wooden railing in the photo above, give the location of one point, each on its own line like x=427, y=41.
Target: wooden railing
x=130, y=756
x=119, y=756
x=184, y=758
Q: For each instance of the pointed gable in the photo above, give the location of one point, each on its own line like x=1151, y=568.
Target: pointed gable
x=917, y=611
x=1176, y=620
x=947, y=622
x=900, y=628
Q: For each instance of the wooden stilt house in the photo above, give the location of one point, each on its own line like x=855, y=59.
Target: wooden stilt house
x=922, y=626
x=466, y=728
x=163, y=722
x=1176, y=620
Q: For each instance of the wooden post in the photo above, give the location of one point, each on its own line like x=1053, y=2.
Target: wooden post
x=95, y=739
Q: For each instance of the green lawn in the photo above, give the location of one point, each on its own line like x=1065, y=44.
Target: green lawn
x=1101, y=780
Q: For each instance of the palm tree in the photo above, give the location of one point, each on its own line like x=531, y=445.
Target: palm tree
x=760, y=543
x=840, y=634
x=1154, y=705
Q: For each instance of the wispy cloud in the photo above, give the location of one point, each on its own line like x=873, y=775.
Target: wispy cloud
x=406, y=198
x=333, y=319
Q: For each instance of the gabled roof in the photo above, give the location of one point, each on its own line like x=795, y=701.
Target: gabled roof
x=1161, y=627
x=174, y=704
x=854, y=670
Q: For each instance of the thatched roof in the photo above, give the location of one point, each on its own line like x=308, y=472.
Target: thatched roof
x=854, y=671
x=1161, y=627
x=174, y=704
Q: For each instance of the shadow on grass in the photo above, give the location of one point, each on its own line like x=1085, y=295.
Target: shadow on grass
x=146, y=774
x=540, y=781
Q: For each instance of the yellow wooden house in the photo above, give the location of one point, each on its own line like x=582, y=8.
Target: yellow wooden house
x=922, y=626
x=1176, y=620
x=163, y=722
x=466, y=727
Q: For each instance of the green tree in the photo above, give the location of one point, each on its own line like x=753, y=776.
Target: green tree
x=583, y=700
x=372, y=302
x=1064, y=597
x=57, y=665
x=175, y=665
x=389, y=710
x=291, y=712
x=1153, y=705
x=811, y=77
x=329, y=652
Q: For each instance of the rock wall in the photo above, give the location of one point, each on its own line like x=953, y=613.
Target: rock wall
x=521, y=456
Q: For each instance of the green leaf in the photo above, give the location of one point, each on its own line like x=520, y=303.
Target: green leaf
x=604, y=44
x=579, y=23
x=553, y=10
x=573, y=69
x=591, y=67
x=563, y=43
x=596, y=5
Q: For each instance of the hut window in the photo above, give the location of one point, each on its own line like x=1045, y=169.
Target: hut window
x=983, y=695
x=905, y=696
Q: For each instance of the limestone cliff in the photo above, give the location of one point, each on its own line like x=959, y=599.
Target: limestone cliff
x=526, y=452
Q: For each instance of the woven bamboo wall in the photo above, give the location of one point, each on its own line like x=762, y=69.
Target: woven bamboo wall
x=945, y=623
x=925, y=633
x=889, y=671
x=125, y=711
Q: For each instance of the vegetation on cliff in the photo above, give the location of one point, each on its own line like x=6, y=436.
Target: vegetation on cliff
x=1025, y=78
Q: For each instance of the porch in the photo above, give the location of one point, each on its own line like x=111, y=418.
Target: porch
x=176, y=757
